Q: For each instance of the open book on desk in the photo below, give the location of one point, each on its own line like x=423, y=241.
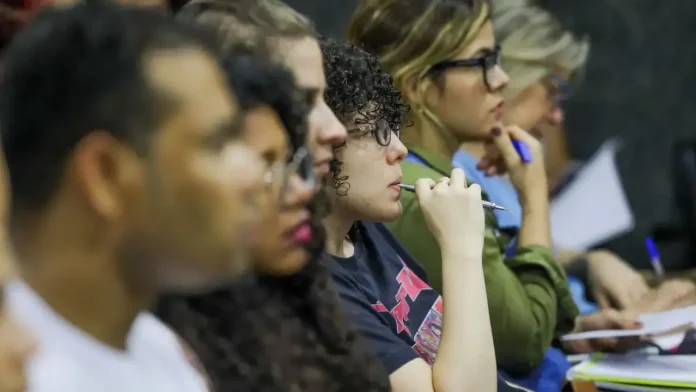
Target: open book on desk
x=676, y=321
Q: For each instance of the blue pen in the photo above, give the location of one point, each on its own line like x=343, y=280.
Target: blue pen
x=654, y=254
x=522, y=150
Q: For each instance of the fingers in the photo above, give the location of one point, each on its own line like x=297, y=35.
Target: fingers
x=475, y=189
x=423, y=187
x=602, y=301
x=441, y=184
x=503, y=142
x=458, y=178
x=520, y=134
x=623, y=299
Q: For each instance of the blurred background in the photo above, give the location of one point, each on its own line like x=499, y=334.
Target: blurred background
x=640, y=86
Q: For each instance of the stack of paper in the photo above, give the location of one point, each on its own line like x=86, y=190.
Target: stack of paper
x=667, y=323
x=639, y=372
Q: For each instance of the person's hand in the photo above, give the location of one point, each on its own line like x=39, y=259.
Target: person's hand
x=453, y=212
x=501, y=157
x=15, y=347
x=613, y=282
x=605, y=319
x=671, y=294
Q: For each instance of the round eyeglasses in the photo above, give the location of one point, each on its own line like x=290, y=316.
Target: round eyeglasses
x=300, y=164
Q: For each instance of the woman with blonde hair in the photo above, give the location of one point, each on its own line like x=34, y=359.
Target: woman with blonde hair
x=444, y=58
x=542, y=58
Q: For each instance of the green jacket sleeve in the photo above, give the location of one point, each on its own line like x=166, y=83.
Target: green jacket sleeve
x=528, y=296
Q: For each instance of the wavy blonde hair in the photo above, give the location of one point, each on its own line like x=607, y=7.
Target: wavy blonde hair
x=534, y=44
x=410, y=36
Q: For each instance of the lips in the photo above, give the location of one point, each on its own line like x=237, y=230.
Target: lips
x=322, y=168
x=302, y=233
x=499, y=110
x=397, y=182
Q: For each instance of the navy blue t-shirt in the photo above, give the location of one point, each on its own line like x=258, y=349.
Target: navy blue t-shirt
x=386, y=294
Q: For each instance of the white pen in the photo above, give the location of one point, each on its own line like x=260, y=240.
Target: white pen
x=486, y=204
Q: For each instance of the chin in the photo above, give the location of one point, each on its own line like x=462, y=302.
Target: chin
x=285, y=264
x=391, y=213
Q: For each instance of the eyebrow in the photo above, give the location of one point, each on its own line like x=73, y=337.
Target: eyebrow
x=309, y=94
x=484, y=51
x=230, y=127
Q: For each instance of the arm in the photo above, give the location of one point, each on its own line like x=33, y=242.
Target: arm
x=535, y=229
x=522, y=291
x=407, y=371
x=465, y=320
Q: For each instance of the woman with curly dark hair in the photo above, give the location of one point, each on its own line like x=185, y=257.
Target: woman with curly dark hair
x=283, y=330
x=381, y=286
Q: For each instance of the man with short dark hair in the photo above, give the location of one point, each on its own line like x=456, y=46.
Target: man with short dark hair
x=128, y=178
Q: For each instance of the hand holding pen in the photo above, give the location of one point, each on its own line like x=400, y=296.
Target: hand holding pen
x=452, y=212
x=486, y=204
x=513, y=151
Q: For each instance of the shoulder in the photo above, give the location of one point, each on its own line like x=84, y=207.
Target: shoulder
x=160, y=343
x=50, y=370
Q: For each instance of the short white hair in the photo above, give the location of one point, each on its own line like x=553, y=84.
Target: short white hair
x=534, y=43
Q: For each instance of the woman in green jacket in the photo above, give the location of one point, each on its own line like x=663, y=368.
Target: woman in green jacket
x=454, y=89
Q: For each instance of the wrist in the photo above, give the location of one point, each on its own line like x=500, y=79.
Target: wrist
x=459, y=253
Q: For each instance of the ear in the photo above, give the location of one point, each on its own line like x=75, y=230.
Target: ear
x=409, y=88
x=107, y=172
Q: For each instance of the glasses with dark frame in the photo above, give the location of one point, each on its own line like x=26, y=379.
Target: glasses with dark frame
x=487, y=62
x=381, y=130
x=280, y=172
x=558, y=88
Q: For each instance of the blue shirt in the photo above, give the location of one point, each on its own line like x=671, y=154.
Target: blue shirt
x=499, y=191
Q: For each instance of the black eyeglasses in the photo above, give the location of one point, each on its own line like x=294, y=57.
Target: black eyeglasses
x=487, y=63
x=279, y=173
x=559, y=89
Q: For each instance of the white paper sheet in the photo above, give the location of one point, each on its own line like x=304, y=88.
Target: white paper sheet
x=593, y=208
x=653, y=324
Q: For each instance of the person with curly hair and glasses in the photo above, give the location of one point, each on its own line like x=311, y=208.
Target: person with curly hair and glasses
x=425, y=344
x=282, y=330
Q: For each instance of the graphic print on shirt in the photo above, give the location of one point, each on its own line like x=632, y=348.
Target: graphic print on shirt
x=410, y=286
x=426, y=338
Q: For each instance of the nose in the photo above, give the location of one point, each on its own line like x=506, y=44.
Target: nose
x=501, y=79
x=555, y=116
x=297, y=192
x=397, y=150
x=329, y=131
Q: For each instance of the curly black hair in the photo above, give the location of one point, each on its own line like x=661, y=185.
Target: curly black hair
x=272, y=334
x=357, y=85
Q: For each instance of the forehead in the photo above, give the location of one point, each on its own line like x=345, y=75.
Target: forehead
x=303, y=57
x=484, y=40
x=195, y=81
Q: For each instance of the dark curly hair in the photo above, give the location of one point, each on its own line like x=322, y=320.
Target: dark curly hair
x=272, y=334
x=357, y=85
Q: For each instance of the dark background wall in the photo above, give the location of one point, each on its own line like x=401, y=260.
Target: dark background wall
x=639, y=85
